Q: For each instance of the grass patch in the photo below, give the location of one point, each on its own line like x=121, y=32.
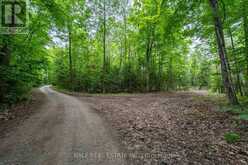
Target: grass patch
x=231, y=137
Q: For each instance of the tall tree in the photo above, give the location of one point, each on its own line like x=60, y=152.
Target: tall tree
x=70, y=55
x=223, y=53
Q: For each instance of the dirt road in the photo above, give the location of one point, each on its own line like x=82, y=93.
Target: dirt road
x=64, y=131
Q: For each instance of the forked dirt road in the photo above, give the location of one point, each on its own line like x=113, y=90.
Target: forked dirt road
x=64, y=131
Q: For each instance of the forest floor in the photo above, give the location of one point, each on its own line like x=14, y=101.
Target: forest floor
x=173, y=128
x=147, y=129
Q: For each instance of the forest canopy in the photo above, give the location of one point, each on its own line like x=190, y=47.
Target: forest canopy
x=101, y=46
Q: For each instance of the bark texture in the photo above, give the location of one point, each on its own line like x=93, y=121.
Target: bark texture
x=223, y=53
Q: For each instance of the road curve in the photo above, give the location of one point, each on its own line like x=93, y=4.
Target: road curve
x=65, y=131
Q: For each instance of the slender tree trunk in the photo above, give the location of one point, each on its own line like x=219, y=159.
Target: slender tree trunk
x=120, y=67
x=70, y=56
x=121, y=57
x=160, y=68
x=148, y=61
x=125, y=30
x=223, y=53
x=149, y=48
x=104, y=47
x=129, y=66
x=147, y=64
x=170, y=74
x=124, y=46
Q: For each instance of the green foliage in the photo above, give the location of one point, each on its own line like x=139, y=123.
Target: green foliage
x=240, y=111
x=138, y=57
x=231, y=137
x=243, y=117
x=150, y=46
x=24, y=58
x=234, y=109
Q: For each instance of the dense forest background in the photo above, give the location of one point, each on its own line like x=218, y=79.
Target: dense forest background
x=128, y=46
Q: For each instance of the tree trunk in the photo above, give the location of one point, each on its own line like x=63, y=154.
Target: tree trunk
x=70, y=56
x=170, y=74
x=223, y=53
x=104, y=48
x=125, y=30
x=160, y=70
x=148, y=61
x=149, y=48
x=148, y=65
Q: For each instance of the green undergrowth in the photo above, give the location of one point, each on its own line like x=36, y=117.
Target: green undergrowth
x=67, y=91
x=239, y=111
x=231, y=137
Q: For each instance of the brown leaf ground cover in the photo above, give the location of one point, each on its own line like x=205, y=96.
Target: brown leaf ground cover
x=173, y=128
x=18, y=113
